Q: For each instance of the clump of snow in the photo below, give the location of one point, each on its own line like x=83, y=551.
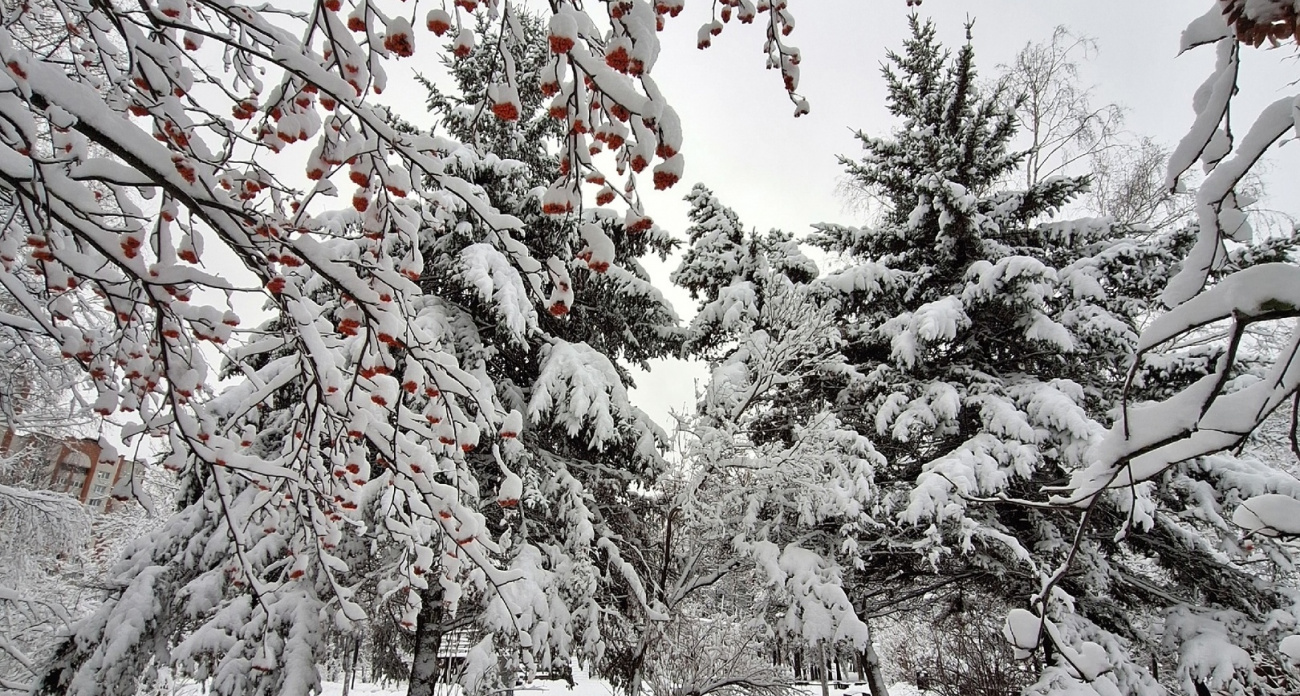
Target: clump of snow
x=1022, y=630
x=1290, y=647
x=1271, y=514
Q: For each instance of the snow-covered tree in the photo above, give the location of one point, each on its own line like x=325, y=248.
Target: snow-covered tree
x=977, y=338
x=978, y=347
x=427, y=355
x=47, y=534
x=776, y=486
x=582, y=517
x=709, y=651
x=986, y=346
x=53, y=568
x=1247, y=507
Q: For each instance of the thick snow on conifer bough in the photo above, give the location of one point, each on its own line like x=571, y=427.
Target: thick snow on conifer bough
x=1271, y=514
x=1023, y=630
x=1026, y=632
x=1290, y=647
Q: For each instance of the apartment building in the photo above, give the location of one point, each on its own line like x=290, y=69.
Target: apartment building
x=77, y=466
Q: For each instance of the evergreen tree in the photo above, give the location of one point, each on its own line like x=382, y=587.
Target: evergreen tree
x=974, y=347
x=775, y=484
x=985, y=348
x=585, y=516
x=979, y=346
x=728, y=270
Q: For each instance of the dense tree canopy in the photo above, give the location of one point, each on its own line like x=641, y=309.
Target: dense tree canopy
x=427, y=427
x=977, y=348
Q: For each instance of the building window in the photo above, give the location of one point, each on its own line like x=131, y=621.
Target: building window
x=100, y=490
x=103, y=475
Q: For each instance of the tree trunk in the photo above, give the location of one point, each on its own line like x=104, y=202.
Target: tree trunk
x=428, y=640
x=638, y=664
x=826, y=689
x=350, y=671
x=508, y=666
x=875, y=675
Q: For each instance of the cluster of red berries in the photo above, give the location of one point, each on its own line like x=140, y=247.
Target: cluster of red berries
x=400, y=43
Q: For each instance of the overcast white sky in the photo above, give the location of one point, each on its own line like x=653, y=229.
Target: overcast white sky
x=777, y=171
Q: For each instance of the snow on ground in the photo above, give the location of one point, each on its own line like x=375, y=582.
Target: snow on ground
x=359, y=689
x=899, y=689
x=583, y=686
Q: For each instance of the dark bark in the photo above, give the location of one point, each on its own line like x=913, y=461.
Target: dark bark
x=875, y=675
x=428, y=640
x=821, y=665
x=350, y=671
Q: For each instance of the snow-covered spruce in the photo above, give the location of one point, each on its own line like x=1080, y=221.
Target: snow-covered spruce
x=976, y=350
